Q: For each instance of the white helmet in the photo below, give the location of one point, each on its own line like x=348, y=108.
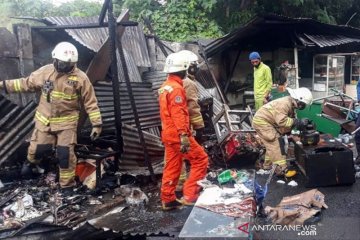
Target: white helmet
x=301, y=94
x=176, y=62
x=193, y=58
x=65, y=52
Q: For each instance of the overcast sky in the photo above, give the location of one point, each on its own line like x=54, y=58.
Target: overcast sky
x=58, y=2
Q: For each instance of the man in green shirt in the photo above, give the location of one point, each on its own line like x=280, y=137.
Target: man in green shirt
x=262, y=80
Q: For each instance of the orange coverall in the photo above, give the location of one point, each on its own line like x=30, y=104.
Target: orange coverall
x=175, y=121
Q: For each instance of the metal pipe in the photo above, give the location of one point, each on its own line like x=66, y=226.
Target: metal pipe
x=133, y=106
x=223, y=99
x=321, y=98
x=103, y=12
x=157, y=40
x=296, y=61
x=115, y=77
x=342, y=108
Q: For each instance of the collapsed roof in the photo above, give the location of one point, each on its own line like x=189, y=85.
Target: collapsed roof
x=273, y=31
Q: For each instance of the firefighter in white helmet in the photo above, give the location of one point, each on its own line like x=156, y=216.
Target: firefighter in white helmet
x=276, y=118
x=177, y=137
x=63, y=86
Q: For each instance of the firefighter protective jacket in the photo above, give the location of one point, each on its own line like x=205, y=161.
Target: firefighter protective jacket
x=61, y=97
x=278, y=113
x=262, y=81
x=173, y=110
x=192, y=94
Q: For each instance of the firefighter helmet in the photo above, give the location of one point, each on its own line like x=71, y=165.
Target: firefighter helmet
x=193, y=58
x=302, y=94
x=176, y=62
x=65, y=52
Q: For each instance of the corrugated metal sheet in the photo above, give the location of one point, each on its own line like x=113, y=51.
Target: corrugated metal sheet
x=92, y=38
x=329, y=40
x=134, y=41
x=146, y=103
x=133, y=71
x=133, y=38
x=288, y=32
x=16, y=123
x=132, y=158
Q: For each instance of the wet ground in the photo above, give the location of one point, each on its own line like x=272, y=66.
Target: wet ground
x=340, y=221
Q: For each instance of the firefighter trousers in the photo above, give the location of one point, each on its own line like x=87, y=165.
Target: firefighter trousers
x=42, y=145
x=270, y=138
x=174, y=161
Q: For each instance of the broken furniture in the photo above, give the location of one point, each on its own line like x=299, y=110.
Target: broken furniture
x=99, y=155
x=326, y=164
x=236, y=137
x=332, y=114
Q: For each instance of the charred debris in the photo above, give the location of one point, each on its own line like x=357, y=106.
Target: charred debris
x=123, y=168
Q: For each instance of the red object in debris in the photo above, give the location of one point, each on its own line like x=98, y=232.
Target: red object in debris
x=230, y=147
x=84, y=169
x=240, y=144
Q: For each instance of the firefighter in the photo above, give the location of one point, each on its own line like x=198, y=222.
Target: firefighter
x=262, y=80
x=192, y=97
x=177, y=138
x=276, y=118
x=62, y=87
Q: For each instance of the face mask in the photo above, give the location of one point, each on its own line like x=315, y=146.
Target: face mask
x=301, y=105
x=63, y=67
x=193, y=69
x=181, y=74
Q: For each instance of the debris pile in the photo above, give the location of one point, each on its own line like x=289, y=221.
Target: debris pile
x=298, y=209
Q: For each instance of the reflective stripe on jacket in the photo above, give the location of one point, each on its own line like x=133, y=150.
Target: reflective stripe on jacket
x=59, y=103
x=262, y=81
x=173, y=110
x=192, y=96
x=278, y=113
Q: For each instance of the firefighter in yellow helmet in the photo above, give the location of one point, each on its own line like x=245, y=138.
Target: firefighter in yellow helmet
x=276, y=118
x=63, y=86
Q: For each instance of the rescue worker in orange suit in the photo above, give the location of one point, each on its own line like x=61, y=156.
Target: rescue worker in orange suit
x=63, y=86
x=276, y=118
x=177, y=138
x=192, y=97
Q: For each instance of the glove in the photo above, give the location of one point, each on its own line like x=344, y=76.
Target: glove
x=199, y=135
x=301, y=124
x=95, y=133
x=184, y=143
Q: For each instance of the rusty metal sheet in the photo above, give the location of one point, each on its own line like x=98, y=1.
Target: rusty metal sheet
x=132, y=158
x=16, y=123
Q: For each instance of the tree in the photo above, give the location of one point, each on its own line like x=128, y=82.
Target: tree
x=44, y=8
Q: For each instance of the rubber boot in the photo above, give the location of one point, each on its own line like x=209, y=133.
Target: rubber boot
x=30, y=170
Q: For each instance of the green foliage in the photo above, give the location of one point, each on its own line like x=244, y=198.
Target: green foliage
x=183, y=20
x=44, y=8
x=78, y=8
